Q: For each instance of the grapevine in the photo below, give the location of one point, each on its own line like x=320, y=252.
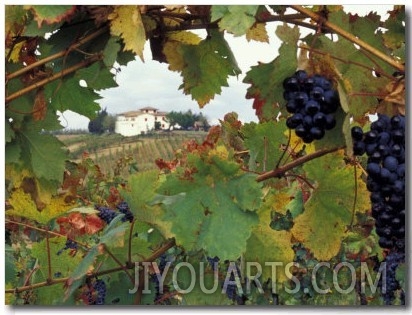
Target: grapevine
x=289, y=210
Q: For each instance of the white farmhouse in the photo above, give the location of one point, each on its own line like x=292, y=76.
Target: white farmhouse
x=140, y=121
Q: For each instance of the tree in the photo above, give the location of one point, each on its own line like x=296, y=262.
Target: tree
x=282, y=190
x=102, y=123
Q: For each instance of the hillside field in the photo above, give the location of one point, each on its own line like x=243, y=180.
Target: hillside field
x=114, y=151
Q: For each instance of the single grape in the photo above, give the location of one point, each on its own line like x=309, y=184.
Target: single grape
x=312, y=107
x=390, y=163
x=357, y=133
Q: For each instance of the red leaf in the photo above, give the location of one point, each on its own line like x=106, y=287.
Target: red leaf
x=93, y=224
x=76, y=221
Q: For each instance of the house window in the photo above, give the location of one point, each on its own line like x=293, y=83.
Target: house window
x=163, y=125
x=145, y=119
x=155, y=118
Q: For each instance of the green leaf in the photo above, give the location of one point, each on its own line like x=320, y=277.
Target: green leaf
x=52, y=13
x=45, y=154
x=33, y=29
x=10, y=265
x=359, y=84
x=110, y=51
x=71, y=96
x=97, y=76
x=395, y=35
x=207, y=67
x=76, y=277
x=12, y=152
x=263, y=141
x=401, y=275
x=266, y=79
x=236, y=19
x=62, y=264
x=200, y=217
x=9, y=132
x=140, y=194
x=113, y=234
x=330, y=205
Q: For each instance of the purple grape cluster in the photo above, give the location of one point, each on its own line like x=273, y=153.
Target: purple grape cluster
x=70, y=244
x=100, y=287
x=384, y=145
x=389, y=284
x=96, y=293
x=106, y=214
x=123, y=207
x=313, y=102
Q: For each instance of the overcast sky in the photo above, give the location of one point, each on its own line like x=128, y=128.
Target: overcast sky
x=150, y=83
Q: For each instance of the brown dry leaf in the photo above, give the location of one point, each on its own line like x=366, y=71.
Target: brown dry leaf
x=40, y=105
x=396, y=91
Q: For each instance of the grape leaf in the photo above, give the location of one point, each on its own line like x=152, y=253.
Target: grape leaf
x=266, y=79
x=74, y=97
x=80, y=271
x=394, y=37
x=236, y=19
x=97, y=76
x=401, y=275
x=200, y=208
x=267, y=245
x=62, y=264
x=8, y=132
x=46, y=155
x=52, y=13
x=24, y=206
x=110, y=51
x=257, y=33
x=199, y=219
x=359, y=84
x=197, y=296
x=330, y=205
x=14, y=19
x=172, y=48
x=139, y=194
x=9, y=265
x=263, y=142
x=126, y=22
x=367, y=28
x=207, y=67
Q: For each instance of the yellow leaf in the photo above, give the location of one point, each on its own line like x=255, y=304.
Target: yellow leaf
x=184, y=37
x=15, y=54
x=266, y=246
x=126, y=22
x=24, y=206
x=258, y=33
x=328, y=212
x=172, y=45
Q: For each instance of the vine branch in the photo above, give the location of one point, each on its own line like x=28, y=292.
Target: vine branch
x=57, y=55
x=53, y=77
x=280, y=171
x=316, y=17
